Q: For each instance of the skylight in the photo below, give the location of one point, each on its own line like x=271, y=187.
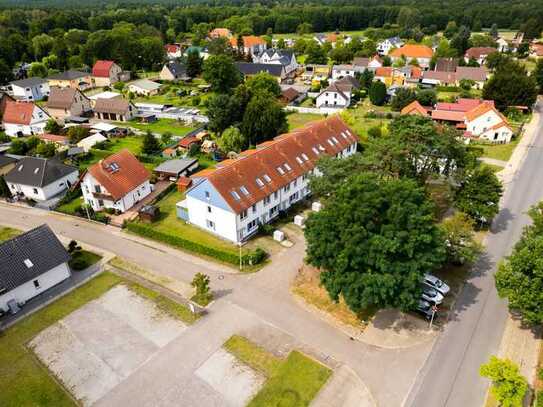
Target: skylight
x=321, y=147
x=266, y=178
x=280, y=171
x=335, y=140
x=288, y=167
x=315, y=150
x=330, y=142
x=344, y=135
x=305, y=157
x=259, y=182
x=244, y=190
x=28, y=263
x=235, y=195
x=300, y=161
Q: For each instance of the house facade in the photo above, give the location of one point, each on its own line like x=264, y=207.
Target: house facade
x=116, y=109
x=64, y=102
x=30, y=264
x=421, y=53
x=486, y=122
x=248, y=69
x=479, y=54
x=173, y=51
x=118, y=182
x=384, y=47
x=40, y=179
x=174, y=71
x=106, y=73
x=144, y=87
x=30, y=89
x=233, y=200
x=250, y=44
x=71, y=79
x=23, y=119
x=285, y=58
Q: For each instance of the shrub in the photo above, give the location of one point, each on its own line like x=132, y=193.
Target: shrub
x=77, y=263
x=266, y=229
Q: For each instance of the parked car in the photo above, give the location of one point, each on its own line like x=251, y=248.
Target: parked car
x=437, y=284
x=426, y=309
x=430, y=294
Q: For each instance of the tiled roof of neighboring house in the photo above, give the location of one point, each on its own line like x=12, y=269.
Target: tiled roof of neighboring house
x=38, y=172
x=175, y=166
x=28, y=256
x=114, y=105
x=446, y=64
x=537, y=49
x=101, y=68
x=220, y=32
x=119, y=173
x=462, y=104
x=28, y=82
x=293, y=152
x=290, y=94
x=347, y=83
x=361, y=61
x=441, y=76
x=332, y=37
x=334, y=88
x=248, y=68
x=186, y=142
x=68, y=75
x=414, y=108
x=412, y=51
x=480, y=110
x=177, y=69
x=477, y=74
x=249, y=41
x=448, y=115
x=478, y=52
x=18, y=112
x=172, y=48
x=54, y=138
x=61, y=98
x=416, y=72
x=384, y=71
x=146, y=84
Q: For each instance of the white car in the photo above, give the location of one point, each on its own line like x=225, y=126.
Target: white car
x=436, y=283
x=431, y=295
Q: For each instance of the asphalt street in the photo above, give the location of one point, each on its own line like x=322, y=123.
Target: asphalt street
x=450, y=377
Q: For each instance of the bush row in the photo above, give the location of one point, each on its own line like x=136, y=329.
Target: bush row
x=254, y=257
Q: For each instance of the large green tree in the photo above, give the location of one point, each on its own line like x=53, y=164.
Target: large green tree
x=374, y=241
x=263, y=82
x=508, y=385
x=264, y=118
x=194, y=64
x=232, y=140
x=511, y=86
x=479, y=195
x=150, y=145
x=377, y=93
x=520, y=277
x=460, y=239
x=402, y=98
x=221, y=73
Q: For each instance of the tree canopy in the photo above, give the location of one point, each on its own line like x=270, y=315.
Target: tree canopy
x=508, y=385
x=221, y=73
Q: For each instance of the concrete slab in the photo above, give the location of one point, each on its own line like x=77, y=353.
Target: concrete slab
x=344, y=389
x=234, y=380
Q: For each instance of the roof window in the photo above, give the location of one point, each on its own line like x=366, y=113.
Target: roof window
x=259, y=182
x=280, y=171
x=288, y=167
x=235, y=195
x=266, y=178
x=244, y=190
x=305, y=157
x=28, y=263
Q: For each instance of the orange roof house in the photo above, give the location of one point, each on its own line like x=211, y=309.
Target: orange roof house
x=414, y=108
x=220, y=32
x=251, y=43
x=412, y=51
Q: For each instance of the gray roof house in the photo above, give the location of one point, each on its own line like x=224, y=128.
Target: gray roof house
x=40, y=179
x=172, y=71
x=249, y=69
x=177, y=167
x=29, y=89
x=30, y=264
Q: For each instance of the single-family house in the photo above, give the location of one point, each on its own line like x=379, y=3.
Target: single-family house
x=536, y=50
x=421, y=53
x=316, y=73
x=64, y=102
x=116, y=109
x=439, y=78
x=89, y=142
x=40, y=179
x=384, y=47
x=249, y=44
x=71, y=79
x=174, y=71
x=283, y=57
x=341, y=71
x=144, y=87
x=477, y=74
x=446, y=65
x=173, y=169
x=330, y=38
x=187, y=142
x=415, y=108
x=173, y=51
x=479, y=54
x=6, y=164
x=117, y=182
x=390, y=76
x=233, y=200
x=29, y=89
x=220, y=33
x=57, y=140
x=364, y=63
x=338, y=94
x=23, y=119
x=30, y=264
x=503, y=45
x=248, y=69
x=106, y=73
x=289, y=95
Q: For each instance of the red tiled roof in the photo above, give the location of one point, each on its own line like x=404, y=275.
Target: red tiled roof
x=172, y=48
x=478, y=52
x=249, y=41
x=18, y=112
x=414, y=108
x=294, y=150
x=101, y=68
x=412, y=51
x=448, y=115
x=462, y=104
x=220, y=32
x=54, y=138
x=441, y=76
x=185, y=142
x=384, y=71
x=129, y=175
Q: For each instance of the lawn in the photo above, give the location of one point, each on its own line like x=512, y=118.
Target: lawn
x=26, y=382
x=293, y=381
x=160, y=126
x=296, y=120
x=356, y=118
x=498, y=151
x=8, y=233
x=70, y=207
x=83, y=259
x=132, y=143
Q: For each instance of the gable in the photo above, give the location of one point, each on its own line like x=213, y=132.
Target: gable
x=215, y=198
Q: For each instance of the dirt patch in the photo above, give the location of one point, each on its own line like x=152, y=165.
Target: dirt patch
x=97, y=346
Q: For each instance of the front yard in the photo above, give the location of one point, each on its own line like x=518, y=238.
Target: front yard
x=8, y=233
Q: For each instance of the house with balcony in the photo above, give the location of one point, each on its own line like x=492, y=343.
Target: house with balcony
x=232, y=200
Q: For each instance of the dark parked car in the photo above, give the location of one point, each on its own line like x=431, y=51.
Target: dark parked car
x=426, y=309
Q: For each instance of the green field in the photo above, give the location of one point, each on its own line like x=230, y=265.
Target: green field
x=132, y=143
x=8, y=233
x=70, y=207
x=296, y=120
x=294, y=381
x=161, y=126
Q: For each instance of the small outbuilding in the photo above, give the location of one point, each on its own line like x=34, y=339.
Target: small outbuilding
x=173, y=169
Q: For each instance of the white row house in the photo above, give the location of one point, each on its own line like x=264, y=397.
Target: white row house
x=233, y=200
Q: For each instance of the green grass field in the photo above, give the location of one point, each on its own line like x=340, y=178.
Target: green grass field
x=8, y=233
x=69, y=207
x=161, y=126
x=296, y=120
x=132, y=143
x=294, y=381
x=499, y=151
x=82, y=259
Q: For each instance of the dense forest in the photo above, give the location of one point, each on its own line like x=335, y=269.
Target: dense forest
x=64, y=34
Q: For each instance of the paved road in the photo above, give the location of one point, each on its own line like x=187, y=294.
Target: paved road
x=450, y=377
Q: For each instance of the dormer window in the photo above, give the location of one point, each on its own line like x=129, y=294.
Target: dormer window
x=305, y=157
x=315, y=150
x=330, y=142
x=288, y=167
x=280, y=171
x=300, y=161
x=235, y=195
x=244, y=190
x=259, y=182
x=266, y=178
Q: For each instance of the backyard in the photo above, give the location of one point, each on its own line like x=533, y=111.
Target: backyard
x=296, y=120
x=161, y=126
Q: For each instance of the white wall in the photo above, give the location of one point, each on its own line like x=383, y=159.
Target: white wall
x=332, y=99
x=48, y=191
x=27, y=291
x=224, y=222
x=31, y=93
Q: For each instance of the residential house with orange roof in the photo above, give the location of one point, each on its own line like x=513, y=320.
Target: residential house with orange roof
x=116, y=182
x=416, y=109
x=251, y=44
x=173, y=51
x=220, y=33
x=364, y=63
x=106, y=73
x=536, y=50
x=389, y=76
x=384, y=47
x=233, y=200
x=24, y=119
x=421, y=53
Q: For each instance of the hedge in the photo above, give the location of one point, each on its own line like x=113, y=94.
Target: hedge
x=254, y=257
